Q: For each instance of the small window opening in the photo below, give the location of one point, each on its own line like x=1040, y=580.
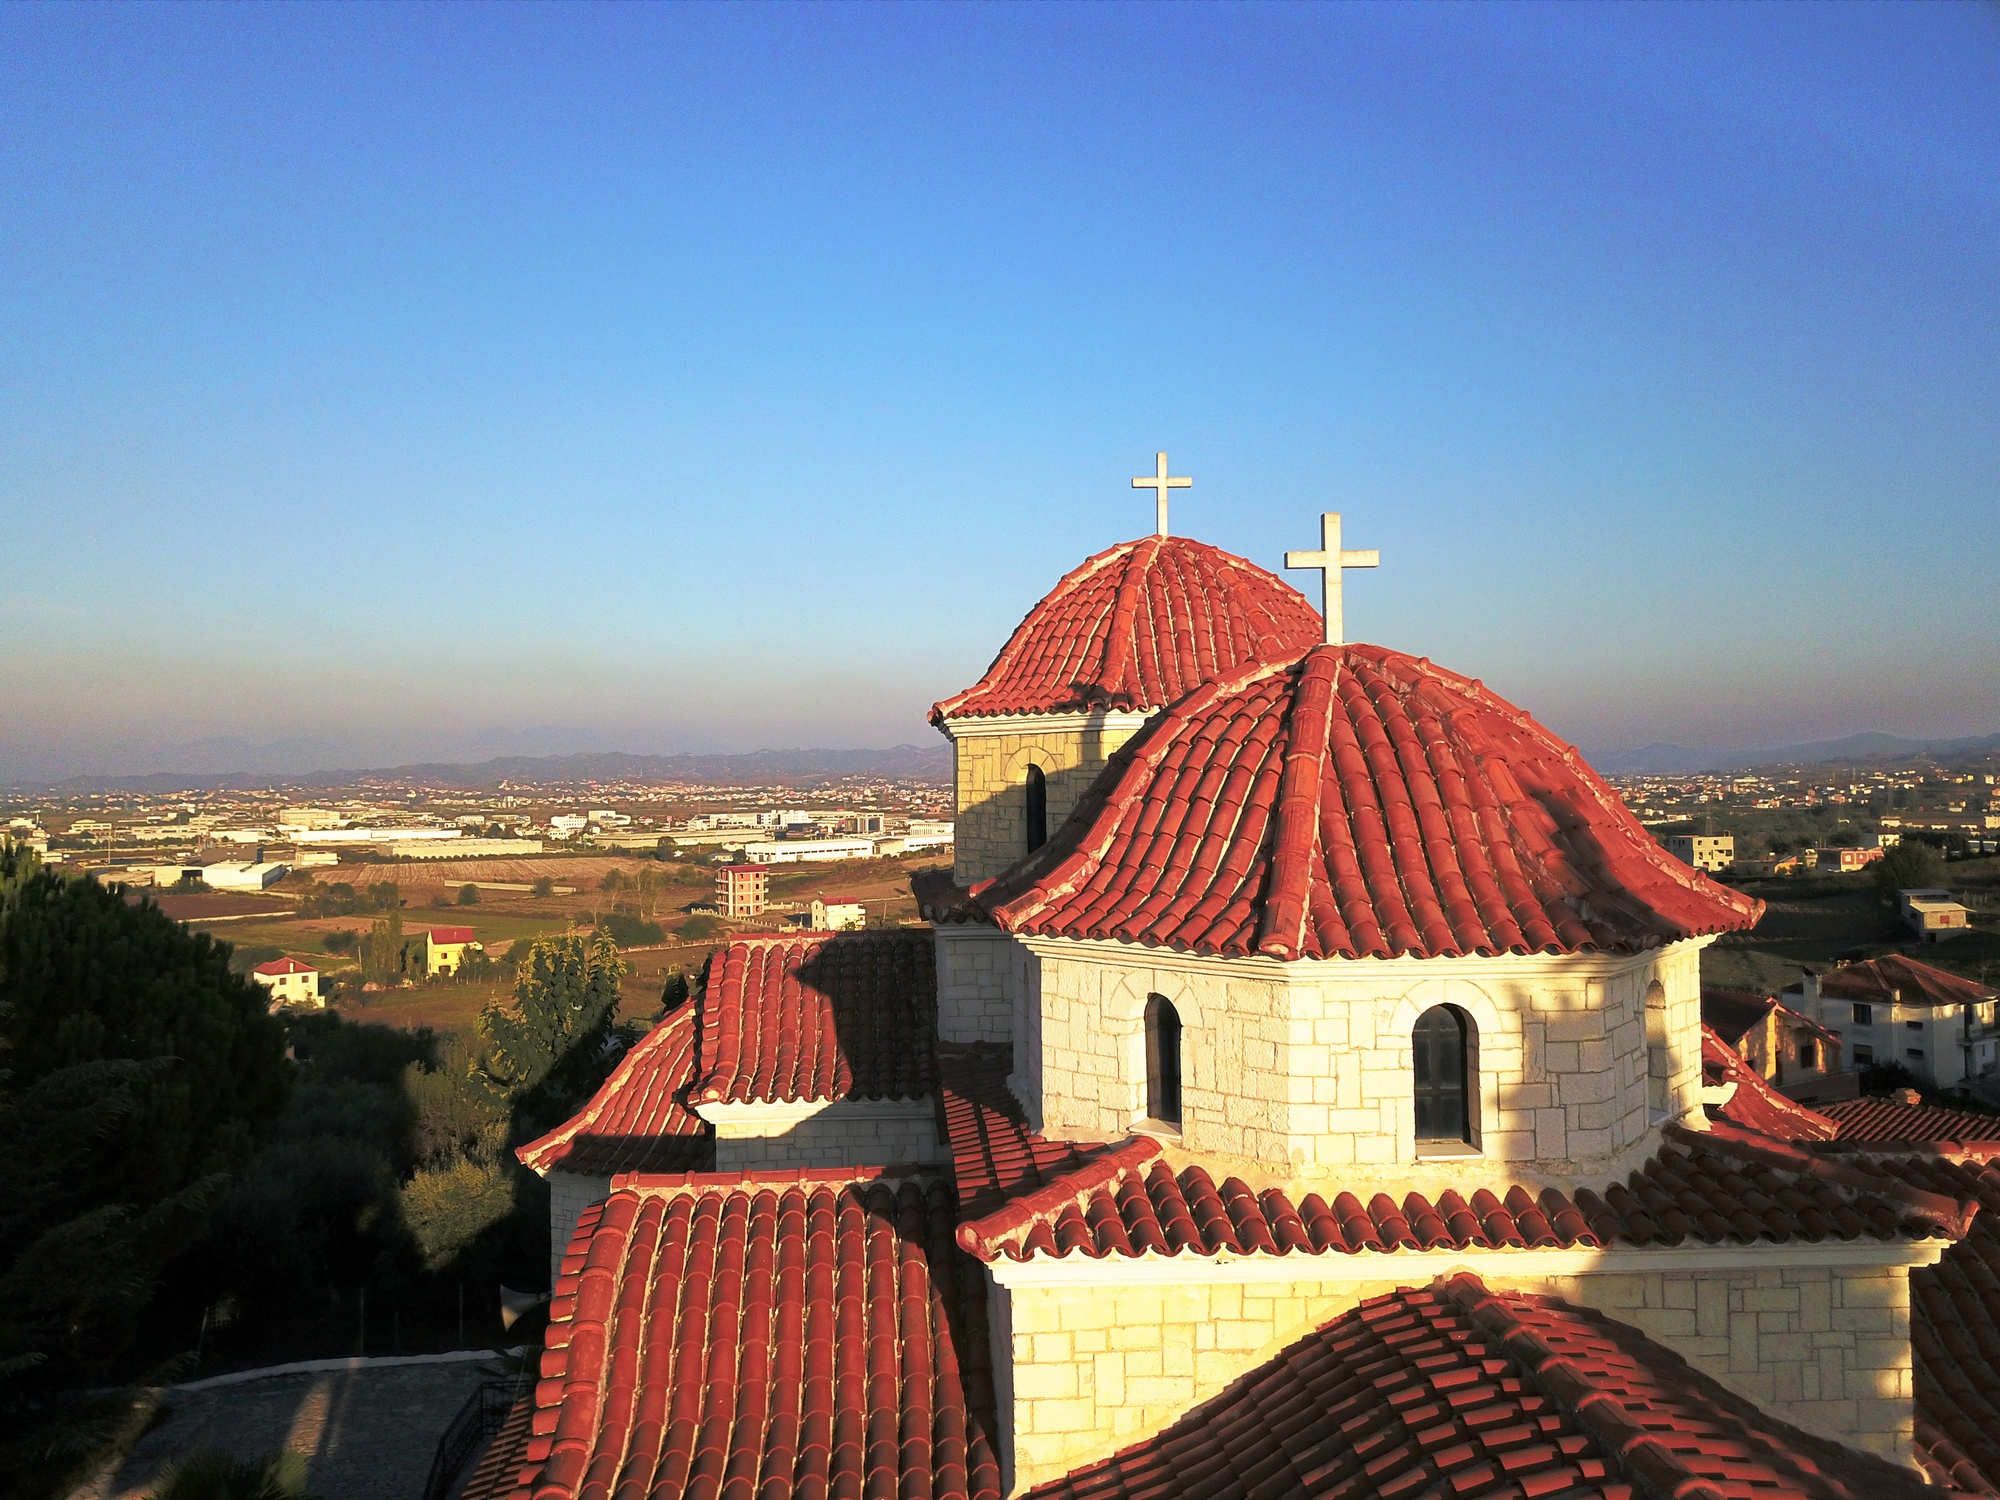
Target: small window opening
x=1659, y=1058
x=1038, y=809
x=1163, y=1060
x=1443, y=1097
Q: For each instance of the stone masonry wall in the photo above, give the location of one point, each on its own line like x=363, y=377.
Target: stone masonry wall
x=1305, y=1068
x=1095, y=1368
x=976, y=983
x=837, y=1136
x=991, y=770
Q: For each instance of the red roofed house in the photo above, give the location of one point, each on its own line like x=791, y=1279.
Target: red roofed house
x=289, y=982
x=1895, y=1009
x=445, y=949
x=1302, y=1091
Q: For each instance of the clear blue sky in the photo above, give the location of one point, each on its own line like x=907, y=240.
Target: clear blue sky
x=694, y=377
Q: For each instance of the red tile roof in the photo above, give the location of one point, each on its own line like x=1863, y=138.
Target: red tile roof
x=1701, y=1187
x=995, y=1156
x=639, y=1121
x=842, y=1016
x=451, y=934
x=284, y=966
x=1356, y=802
x=1755, y=1105
x=1136, y=627
x=808, y=1337
x=1902, y=981
x=1456, y=1391
x=1886, y=1121
x=1955, y=1334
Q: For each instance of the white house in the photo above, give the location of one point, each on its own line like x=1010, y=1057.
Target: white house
x=289, y=982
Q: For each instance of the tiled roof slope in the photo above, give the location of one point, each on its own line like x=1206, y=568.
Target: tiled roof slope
x=1904, y=981
x=1754, y=1104
x=1455, y=1391
x=1883, y=1120
x=639, y=1120
x=1356, y=802
x=846, y=1016
x=995, y=1156
x=1137, y=626
x=1700, y=1188
x=724, y=1336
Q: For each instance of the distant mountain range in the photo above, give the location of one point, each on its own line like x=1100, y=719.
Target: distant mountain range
x=1660, y=759
x=756, y=767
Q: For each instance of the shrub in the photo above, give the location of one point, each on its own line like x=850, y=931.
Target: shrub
x=448, y=1207
x=468, y=895
x=544, y=885
x=340, y=940
x=700, y=929
x=629, y=930
x=214, y=1474
x=614, y=880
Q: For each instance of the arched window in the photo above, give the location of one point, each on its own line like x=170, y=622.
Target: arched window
x=1163, y=1060
x=1659, y=1059
x=1444, y=1091
x=1038, y=809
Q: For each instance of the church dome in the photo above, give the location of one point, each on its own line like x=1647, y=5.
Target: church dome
x=1355, y=802
x=1136, y=627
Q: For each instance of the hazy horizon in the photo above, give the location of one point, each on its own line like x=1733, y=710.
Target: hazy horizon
x=711, y=379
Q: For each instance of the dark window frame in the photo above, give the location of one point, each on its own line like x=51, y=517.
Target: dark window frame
x=1037, y=790
x=1442, y=1075
x=1166, y=1061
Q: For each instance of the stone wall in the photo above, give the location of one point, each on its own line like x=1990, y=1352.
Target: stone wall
x=977, y=981
x=855, y=1133
x=1095, y=1368
x=990, y=759
x=1305, y=1068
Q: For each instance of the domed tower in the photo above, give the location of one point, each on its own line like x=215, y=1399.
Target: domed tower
x=1117, y=640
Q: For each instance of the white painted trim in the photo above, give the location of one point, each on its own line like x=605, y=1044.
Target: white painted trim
x=981, y=726
x=777, y=1118
x=1152, y=1268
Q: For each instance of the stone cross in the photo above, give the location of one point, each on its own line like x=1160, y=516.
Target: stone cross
x=1330, y=560
x=1159, y=483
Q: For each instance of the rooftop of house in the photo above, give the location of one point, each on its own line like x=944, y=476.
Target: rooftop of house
x=639, y=1121
x=1895, y=979
x=450, y=936
x=1137, y=626
x=1355, y=802
x=278, y=966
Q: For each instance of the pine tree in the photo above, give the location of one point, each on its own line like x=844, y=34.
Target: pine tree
x=552, y=1034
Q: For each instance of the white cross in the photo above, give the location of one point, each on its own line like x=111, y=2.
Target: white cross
x=1161, y=484
x=1330, y=560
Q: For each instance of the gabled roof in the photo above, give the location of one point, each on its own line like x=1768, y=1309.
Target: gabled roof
x=1456, y=1391
x=995, y=1157
x=1902, y=981
x=639, y=1121
x=833, y=1016
x=1754, y=1104
x=1955, y=1335
x=451, y=934
x=284, y=966
x=1356, y=802
x=1137, y=626
x=810, y=1335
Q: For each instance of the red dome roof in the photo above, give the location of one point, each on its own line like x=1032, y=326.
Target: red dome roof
x=1356, y=802
x=1138, y=626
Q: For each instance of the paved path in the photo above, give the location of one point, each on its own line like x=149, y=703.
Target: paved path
x=367, y=1434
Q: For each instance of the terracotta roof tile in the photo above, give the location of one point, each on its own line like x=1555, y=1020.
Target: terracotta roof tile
x=639, y=1121
x=727, y=1338
x=284, y=966
x=846, y=1016
x=995, y=1157
x=1456, y=1391
x=1883, y=1120
x=1136, y=627
x=1356, y=802
x=1708, y=1188
x=1754, y=1104
x=1903, y=981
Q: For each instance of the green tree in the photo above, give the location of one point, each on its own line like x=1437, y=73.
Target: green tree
x=382, y=950
x=565, y=996
x=385, y=895
x=340, y=940
x=468, y=894
x=614, y=880
x=1908, y=866
x=544, y=885
x=140, y=1072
